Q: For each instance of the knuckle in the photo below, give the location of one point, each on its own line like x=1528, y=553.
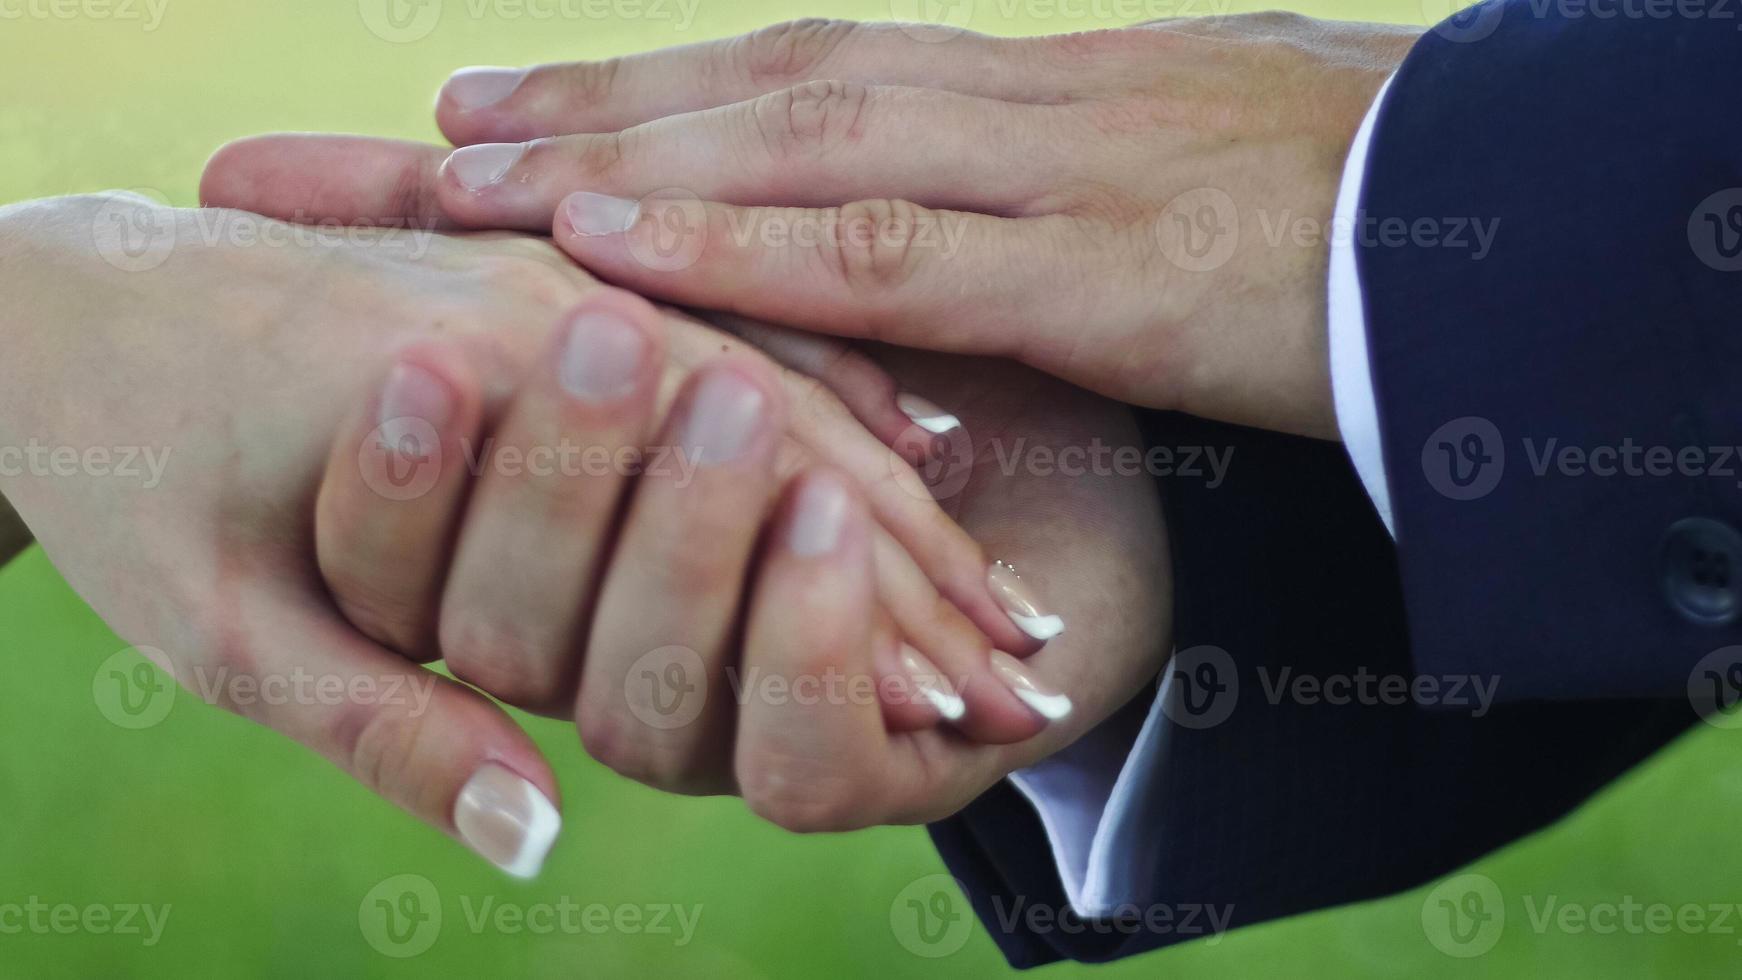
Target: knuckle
x=494, y=656
x=799, y=794
x=592, y=156
x=617, y=742
x=414, y=193
x=381, y=747
x=874, y=244
x=687, y=572
x=810, y=117
x=383, y=616
x=605, y=738
x=587, y=83
x=791, y=50
x=523, y=269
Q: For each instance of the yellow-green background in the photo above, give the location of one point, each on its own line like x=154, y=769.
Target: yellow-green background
x=265, y=853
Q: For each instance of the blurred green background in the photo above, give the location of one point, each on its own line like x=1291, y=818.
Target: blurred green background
x=270, y=861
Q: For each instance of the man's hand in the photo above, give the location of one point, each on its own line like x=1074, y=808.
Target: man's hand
x=1142, y=211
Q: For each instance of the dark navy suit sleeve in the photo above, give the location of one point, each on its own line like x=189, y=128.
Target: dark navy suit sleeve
x=1601, y=153
x=1559, y=408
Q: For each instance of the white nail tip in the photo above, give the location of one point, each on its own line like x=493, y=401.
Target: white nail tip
x=1039, y=627
x=947, y=704
x=541, y=833
x=1052, y=707
x=926, y=414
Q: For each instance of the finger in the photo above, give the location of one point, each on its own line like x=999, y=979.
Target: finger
x=880, y=270
x=814, y=756
x=434, y=747
x=858, y=381
x=918, y=429
x=391, y=499
x=479, y=105
x=307, y=178
x=668, y=608
x=936, y=555
x=542, y=513
x=814, y=145
x=941, y=659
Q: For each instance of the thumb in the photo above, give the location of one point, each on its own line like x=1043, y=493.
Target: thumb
x=436, y=748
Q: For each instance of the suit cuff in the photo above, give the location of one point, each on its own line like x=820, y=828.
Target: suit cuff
x=1351, y=374
x=1094, y=802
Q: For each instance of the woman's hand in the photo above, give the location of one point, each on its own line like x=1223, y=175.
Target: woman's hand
x=1143, y=211
x=222, y=349
x=714, y=654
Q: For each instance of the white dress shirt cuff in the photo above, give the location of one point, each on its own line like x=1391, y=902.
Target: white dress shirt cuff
x=1095, y=797
x=1351, y=373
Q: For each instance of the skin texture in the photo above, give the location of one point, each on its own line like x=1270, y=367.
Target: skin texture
x=1025, y=515
x=213, y=565
x=831, y=763
x=1147, y=245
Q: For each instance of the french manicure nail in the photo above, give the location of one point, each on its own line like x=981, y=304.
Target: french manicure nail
x=931, y=684
x=600, y=214
x=1020, y=604
x=507, y=820
x=480, y=86
x=415, y=406
x=818, y=515
x=484, y=164
x=601, y=359
x=1046, y=702
x=926, y=414
x=723, y=417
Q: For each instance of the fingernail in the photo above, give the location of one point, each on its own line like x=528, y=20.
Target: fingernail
x=723, y=417
x=818, y=515
x=1020, y=604
x=480, y=166
x=507, y=820
x=931, y=684
x=926, y=414
x=600, y=214
x=477, y=87
x=602, y=358
x=415, y=407
x=1046, y=702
